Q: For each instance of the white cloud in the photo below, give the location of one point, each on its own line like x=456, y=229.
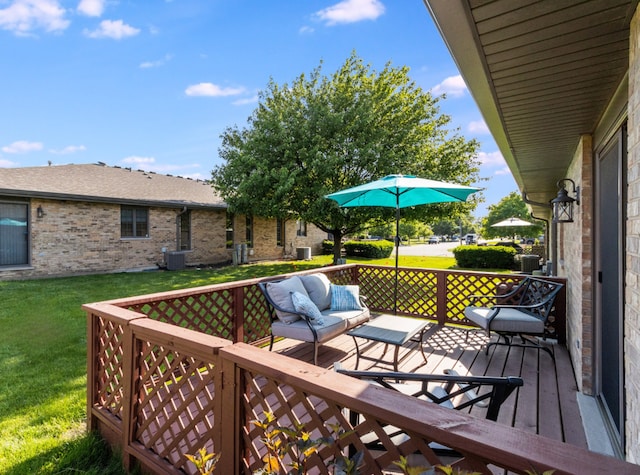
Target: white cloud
x=112, y=29
x=91, y=7
x=136, y=160
x=350, y=11
x=245, y=101
x=7, y=163
x=212, y=90
x=24, y=16
x=491, y=159
x=22, y=146
x=503, y=171
x=306, y=30
x=453, y=86
x=478, y=127
x=69, y=149
x=157, y=63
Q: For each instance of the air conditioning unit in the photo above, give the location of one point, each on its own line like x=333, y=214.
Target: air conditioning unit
x=176, y=260
x=529, y=263
x=303, y=253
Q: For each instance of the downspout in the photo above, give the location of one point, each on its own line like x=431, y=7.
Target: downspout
x=554, y=233
x=184, y=210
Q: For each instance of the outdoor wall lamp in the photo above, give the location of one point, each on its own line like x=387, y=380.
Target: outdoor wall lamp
x=40, y=212
x=563, y=203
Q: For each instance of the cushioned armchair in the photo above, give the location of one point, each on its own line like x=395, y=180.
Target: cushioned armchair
x=523, y=311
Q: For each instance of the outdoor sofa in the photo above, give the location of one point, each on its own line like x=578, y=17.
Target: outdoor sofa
x=310, y=308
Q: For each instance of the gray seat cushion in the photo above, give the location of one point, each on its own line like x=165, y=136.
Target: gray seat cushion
x=508, y=320
x=353, y=317
x=332, y=326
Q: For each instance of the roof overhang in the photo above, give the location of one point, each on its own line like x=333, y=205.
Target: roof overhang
x=542, y=74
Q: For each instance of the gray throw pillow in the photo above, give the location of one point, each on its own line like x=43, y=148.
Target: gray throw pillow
x=305, y=305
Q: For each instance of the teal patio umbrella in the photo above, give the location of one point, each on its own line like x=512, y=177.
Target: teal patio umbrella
x=401, y=191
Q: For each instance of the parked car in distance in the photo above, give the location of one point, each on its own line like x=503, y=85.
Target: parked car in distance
x=434, y=240
x=471, y=239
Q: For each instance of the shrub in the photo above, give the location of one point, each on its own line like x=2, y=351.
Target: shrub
x=485, y=257
x=371, y=249
x=327, y=247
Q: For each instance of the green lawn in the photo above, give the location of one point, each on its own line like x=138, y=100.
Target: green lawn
x=43, y=358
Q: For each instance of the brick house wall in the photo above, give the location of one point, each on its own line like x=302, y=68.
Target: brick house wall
x=632, y=276
x=575, y=263
x=75, y=237
x=265, y=245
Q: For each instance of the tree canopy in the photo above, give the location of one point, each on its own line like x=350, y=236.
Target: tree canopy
x=322, y=134
x=511, y=206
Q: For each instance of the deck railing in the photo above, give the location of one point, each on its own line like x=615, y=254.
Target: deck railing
x=165, y=379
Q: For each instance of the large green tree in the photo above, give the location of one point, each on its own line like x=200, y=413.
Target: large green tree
x=321, y=134
x=511, y=206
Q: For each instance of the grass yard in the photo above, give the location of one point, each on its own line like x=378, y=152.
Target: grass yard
x=43, y=358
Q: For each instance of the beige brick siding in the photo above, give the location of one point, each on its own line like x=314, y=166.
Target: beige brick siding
x=575, y=258
x=265, y=243
x=81, y=237
x=632, y=292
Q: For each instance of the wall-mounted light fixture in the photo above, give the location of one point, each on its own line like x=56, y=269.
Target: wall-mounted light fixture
x=40, y=212
x=563, y=203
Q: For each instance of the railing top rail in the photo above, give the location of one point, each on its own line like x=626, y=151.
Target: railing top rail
x=176, y=294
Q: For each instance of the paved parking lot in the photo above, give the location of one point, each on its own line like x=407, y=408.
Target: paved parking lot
x=442, y=249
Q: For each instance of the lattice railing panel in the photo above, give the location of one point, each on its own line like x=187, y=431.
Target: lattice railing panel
x=173, y=413
x=109, y=372
x=320, y=416
x=210, y=312
x=377, y=284
x=417, y=292
x=461, y=286
x=257, y=322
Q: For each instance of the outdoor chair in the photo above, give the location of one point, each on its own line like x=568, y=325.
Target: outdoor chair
x=522, y=312
x=448, y=390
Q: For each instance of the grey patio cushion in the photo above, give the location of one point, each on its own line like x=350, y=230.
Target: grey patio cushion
x=299, y=330
x=318, y=287
x=508, y=320
x=354, y=317
x=280, y=293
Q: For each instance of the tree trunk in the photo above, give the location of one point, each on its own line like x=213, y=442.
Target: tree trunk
x=337, y=245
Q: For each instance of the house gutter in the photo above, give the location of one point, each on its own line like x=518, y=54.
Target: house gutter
x=552, y=263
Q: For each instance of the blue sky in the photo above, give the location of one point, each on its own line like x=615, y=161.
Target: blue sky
x=151, y=84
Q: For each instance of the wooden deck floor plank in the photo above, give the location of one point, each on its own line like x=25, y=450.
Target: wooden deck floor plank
x=527, y=412
x=512, y=367
x=550, y=419
x=567, y=393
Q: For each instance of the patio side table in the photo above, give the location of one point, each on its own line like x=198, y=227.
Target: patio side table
x=390, y=330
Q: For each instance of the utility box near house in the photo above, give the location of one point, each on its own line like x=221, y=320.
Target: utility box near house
x=303, y=253
x=529, y=263
x=176, y=260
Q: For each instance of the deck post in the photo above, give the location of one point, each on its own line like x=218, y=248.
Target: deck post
x=441, y=297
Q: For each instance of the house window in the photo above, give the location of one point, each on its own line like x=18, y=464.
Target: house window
x=14, y=234
x=301, y=228
x=229, y=231
x=280, y=232
x=134, y=222
x=249, y=232
x=184, y=231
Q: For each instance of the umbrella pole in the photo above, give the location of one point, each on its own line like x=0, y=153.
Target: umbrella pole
x=395, y=288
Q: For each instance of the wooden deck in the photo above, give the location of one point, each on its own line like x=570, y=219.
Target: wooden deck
x=545, y=405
